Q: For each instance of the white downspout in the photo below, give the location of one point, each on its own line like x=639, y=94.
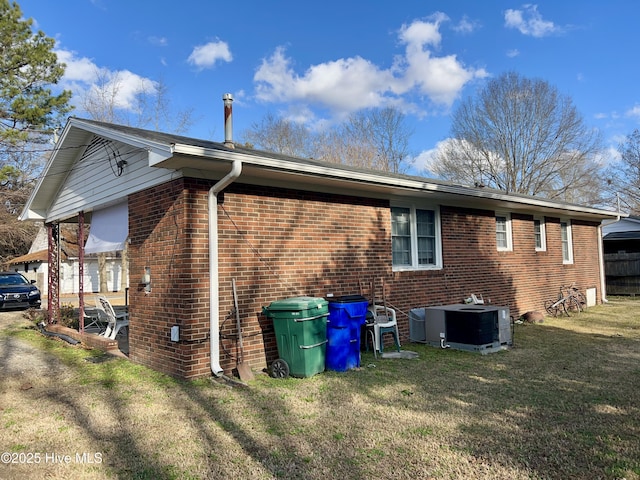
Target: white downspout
x=603, y=278
x=214, y=291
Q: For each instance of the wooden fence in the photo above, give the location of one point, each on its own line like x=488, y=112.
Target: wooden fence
x=622, y=273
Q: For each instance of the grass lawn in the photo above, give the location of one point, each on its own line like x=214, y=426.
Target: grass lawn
x=564, y=403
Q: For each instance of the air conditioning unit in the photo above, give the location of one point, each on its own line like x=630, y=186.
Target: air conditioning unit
x=482, y=328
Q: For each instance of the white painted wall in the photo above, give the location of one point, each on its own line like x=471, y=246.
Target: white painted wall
x=70, y=276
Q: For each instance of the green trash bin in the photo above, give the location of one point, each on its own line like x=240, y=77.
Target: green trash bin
x=300, y=325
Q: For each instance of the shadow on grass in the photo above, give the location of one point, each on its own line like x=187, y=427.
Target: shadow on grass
x=560, y=405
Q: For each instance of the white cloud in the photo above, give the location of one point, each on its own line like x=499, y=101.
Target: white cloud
x=207, y=55
x=613, y=115
x=342, y=85
x=466, y=26
x=529, y=22
x=618, y=139
x=83, y=77
x=78, y=69
x=426, y=161
x=349, y=84
x=126, y=86
x=514, y=52
x=421, y=33
x=423, y=161
x=440, y=78
x=158, y=41
x=633, y=112
x=611, y=155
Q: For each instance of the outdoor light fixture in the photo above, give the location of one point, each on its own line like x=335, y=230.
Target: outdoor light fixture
x=175, y=333
x=146, y=279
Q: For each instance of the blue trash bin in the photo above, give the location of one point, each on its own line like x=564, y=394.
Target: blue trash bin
x=347, y=314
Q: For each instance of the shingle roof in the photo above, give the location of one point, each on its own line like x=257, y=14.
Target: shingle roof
x=68, y=247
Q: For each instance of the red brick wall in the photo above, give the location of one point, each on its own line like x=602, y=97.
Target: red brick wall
x=279, y=243
x=521, y=279
x=168, y=233
x=283, y=243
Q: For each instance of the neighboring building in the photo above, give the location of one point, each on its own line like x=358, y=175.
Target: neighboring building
x=35, y=264
x=283, y=227
x=622, y=236
x=621, y=242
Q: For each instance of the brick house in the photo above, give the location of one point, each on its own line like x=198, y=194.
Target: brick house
x=285, y=226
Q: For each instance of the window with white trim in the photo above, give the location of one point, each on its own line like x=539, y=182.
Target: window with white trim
x=415, y=238
x=540, y=234
x=503, y=232
x=567, y=241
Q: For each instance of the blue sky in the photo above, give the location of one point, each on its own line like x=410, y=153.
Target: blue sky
x=317, y=62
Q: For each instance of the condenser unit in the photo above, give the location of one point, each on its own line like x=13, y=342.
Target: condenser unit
x=482, y=328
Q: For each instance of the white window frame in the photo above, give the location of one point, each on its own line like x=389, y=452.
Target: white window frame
x=568, y=258
x=543, y=234
x=414, y=238
x=508, y=232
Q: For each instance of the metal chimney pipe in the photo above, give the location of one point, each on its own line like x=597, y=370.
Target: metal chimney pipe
x=227, y=98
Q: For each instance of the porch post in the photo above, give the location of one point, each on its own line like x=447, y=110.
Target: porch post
x=81, y=269
x=53, y=255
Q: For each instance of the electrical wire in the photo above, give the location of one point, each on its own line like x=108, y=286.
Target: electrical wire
x=117, y=160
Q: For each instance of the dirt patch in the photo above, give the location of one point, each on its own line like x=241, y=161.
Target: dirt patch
x=21, y=363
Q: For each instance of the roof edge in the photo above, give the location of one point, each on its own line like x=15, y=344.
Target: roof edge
x=384, y=179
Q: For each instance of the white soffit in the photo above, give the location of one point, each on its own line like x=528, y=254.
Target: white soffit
x=109, y=229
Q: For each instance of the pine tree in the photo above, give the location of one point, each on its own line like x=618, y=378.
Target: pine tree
x=29, y=113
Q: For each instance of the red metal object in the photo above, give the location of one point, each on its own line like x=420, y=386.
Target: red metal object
x=81, y=269
x=53, y=294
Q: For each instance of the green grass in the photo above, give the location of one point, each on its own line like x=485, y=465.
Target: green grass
x=563, y=403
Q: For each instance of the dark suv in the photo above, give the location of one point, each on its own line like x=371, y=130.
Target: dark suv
x=18, y=292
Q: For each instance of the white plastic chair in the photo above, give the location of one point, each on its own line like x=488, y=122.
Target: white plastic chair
x=380, y=318
x=384, y=321
x=116, y=320
x=95, y=318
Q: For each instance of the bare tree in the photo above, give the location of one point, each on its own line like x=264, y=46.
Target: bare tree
x=15, y=237
x=376, y=139
x=151, y=107
x=100, y=101
x=521, y=136
x=17, y=177
x=623, y=177
x=156, y=111
x=387, y=135
x=337, y=146
x=102, y=272
x=279, y=135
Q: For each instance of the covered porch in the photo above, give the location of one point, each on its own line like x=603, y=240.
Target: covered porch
x=108, y=234
x=90, y=335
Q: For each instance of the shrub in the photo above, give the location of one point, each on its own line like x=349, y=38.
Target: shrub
x=68, y=316
x=35, y=315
